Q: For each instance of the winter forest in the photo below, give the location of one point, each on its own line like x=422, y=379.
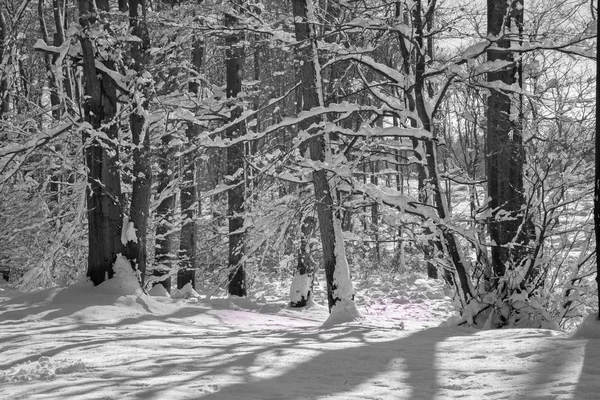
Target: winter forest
x=298, y=199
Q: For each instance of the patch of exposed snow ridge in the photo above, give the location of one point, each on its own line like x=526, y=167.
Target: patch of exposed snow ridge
x=42, y=369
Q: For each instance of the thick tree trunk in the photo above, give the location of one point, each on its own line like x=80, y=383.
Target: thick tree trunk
x=505, y=154
x=189, y=194
x=235, y=164
x=142, y=172
x=166, y=234
x=339, y=287
x=104, y=181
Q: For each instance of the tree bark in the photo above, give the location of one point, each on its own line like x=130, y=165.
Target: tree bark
x=428, y=150
x=505, y=153
x=597, y=188
x=375, y=211
x=3, y=78
x=104, y=181
x=142, y=172
x=235, y=163
x=305, y=263
x=339, y=288
x=189, y=193
x=166, y=234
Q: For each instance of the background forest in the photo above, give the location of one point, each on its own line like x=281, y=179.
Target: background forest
x=226, y=144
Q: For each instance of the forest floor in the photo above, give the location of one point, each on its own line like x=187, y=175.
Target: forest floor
x=112, y=342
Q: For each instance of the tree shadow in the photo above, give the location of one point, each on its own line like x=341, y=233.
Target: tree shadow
x=556, y=365
x=348, y=368
x=348, y=357
x=588, y=385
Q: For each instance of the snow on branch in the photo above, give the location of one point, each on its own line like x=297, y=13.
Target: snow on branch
x=75, y=53
x=376, y=131
x=41, y=140
x=336, y=108
x=391, y=73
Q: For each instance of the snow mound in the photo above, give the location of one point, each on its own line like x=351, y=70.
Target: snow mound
x=42, y=369
x=124, y=282
x=300, y=288
x=158, y=291
x=343, y=311
x=185, y=292
x=589, y=328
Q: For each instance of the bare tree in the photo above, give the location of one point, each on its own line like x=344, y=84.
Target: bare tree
x=339, y=287
x=235, y=161
x=101, y=152
x=142, y=172
x=505, y=153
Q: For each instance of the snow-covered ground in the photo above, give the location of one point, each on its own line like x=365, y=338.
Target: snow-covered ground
x=112, y=342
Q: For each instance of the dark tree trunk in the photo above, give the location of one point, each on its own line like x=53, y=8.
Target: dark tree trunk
x=429, y=151
x=419, y=150
x=189, y=193
x=142, y=172
x=375, y=211
x=235, y=163
x=166, y=235
x=597, y=190
x=104, y=181
x=505, y=153
x=48, y=59
x=309, y=98
x=3, y=78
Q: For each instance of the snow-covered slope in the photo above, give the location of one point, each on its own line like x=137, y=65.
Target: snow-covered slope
x=111, y=342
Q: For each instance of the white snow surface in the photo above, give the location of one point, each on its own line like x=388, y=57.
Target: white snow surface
x=128, y=231
x=186, y=292
x=300, y=287
x=112, y=342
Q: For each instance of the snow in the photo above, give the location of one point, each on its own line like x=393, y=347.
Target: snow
x=300, y=288
x=186, y=292
x=128, y=231
x=589, y=328
x=345, y=309
x=109, y=341
x=158, y=291
x=126, y=281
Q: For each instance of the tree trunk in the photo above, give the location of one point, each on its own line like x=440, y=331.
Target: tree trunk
x=302, y=285
x=504, y=140
x=429, y=152
x=235, y=163
x=597, y=189
x=375, y=211
x=166, y=234
x=104, y=180
x=3, y=77
x=142, y=172
x=339, y=287
x=419, y=150
x=189, y=194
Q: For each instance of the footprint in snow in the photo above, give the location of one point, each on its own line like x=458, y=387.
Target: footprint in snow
x=209, y=388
